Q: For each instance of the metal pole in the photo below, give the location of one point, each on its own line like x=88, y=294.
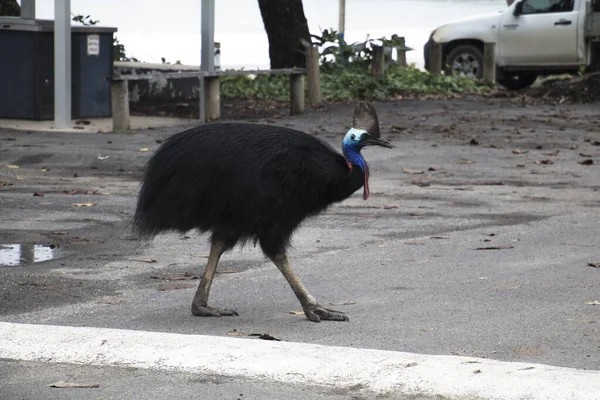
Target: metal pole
x=208, y=36
x=28, y=9
x=342, y=19
x=207, y=49
x=62, y=64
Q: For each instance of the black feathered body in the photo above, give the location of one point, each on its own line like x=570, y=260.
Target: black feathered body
x=241, y=181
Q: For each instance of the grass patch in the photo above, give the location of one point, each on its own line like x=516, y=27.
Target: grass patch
x=352, y=82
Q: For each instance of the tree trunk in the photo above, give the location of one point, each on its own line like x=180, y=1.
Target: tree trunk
x=285, y=25
x=10, y=8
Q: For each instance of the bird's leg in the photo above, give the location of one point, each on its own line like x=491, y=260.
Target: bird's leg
x=312, y=309
x=200, y=303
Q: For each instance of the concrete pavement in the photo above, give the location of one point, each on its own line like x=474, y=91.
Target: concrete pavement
x=355, y=371
x=475, y=242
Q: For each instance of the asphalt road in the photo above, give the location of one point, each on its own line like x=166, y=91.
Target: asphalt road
x=475, y=241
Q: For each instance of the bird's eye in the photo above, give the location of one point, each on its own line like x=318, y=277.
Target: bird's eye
x=352, y=136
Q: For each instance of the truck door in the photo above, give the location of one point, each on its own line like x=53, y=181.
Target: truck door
x=545, y=33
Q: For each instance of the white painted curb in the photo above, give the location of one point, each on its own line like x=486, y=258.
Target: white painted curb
x=376, y=371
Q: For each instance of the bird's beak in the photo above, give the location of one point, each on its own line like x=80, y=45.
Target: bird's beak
x=369, y=140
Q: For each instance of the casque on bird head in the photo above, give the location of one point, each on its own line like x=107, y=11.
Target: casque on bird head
x=357, y=137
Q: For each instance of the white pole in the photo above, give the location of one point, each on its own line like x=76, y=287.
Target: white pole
x=207, y=49
x=62, y=64
x=28, y=9
x=342, y=19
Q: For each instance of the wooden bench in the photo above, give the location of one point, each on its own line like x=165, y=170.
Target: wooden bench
x=209, y=93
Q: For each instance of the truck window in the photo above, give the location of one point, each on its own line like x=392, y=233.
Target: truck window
x=547, y=6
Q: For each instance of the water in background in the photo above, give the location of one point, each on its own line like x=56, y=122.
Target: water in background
x=152, y=29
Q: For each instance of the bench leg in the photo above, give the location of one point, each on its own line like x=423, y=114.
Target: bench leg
x=296, y=94
x=313, y=77
x=212, y=96
x=119, y=97
x=489, y=63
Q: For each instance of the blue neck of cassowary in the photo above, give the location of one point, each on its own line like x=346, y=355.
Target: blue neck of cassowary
x=352, y=154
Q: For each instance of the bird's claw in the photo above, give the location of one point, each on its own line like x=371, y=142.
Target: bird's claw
x=316, y=313
x=206, y=311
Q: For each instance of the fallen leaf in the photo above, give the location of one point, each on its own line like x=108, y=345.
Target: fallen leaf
x=589, y=161
x=346, y=303
x=594, y=265
x=38, y=194
x=68, y=385
x=544, y=162
x=492, y=183
x=510, y=287
x=494, y=248
x=593, y=303
x=296, y=312
x=554, y=153
x=235, y=332
x=463, y=161
x=477, y=371
x=13, y=166
x=398, y=128
x=146, y=260
x=58, y=233
x=516, y=151
x=265, y=336
x=412, y=364
x=412, y=171
x=526, y=368
x=175, y=286
x=420, y=183
x=88, y=204
x=144, y=149
x=186, y=276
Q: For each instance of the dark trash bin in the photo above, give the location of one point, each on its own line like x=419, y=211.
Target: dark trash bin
x=27, y=69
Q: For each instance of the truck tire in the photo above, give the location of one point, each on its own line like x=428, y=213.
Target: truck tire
x=465, y=60
x=518, y=80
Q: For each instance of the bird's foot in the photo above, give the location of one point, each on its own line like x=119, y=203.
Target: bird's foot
x=206, y=311
x=316, y=313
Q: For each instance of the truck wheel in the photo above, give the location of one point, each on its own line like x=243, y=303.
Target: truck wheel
x=518, y=80
x=465, y=60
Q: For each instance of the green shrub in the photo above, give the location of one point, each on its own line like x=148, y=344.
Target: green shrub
x=346, y=75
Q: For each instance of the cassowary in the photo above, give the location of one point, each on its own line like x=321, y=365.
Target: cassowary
x=244, y=181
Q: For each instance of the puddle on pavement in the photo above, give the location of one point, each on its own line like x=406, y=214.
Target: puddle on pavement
x=14, y=255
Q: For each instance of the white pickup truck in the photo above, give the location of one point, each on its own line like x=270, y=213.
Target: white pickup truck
x=533, y=38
